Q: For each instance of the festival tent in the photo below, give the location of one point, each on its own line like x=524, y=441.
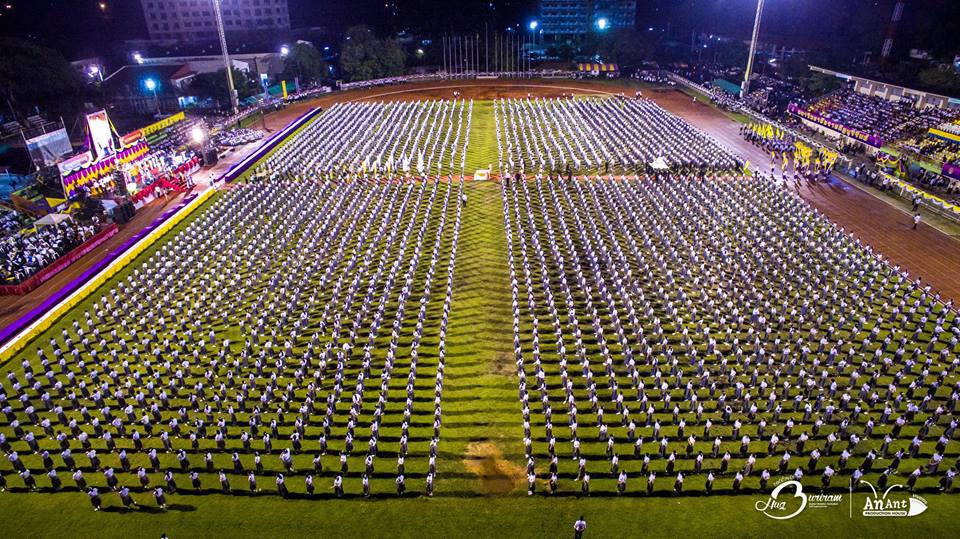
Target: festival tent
x=52, y=219
x=660, y=164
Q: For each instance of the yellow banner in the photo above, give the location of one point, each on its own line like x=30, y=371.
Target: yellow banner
x=163, y=124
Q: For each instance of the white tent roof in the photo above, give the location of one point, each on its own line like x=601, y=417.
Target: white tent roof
x=660, y=164
x=52, y=219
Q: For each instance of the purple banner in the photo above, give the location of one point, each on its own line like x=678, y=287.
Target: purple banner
x=866, y=138
x=951, y=170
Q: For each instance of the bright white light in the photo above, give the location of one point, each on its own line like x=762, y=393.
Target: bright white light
x=197, y=134
x=94, y=69
x=602, y=23
x=284, y=50
x=150, y=84
x=650, y=29
x=533, y=25
x=138, y=58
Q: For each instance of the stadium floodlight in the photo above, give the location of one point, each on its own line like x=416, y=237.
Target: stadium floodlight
x=150, y=84
x=227, y=66
x=602, y=23
x=745, y=85
x=284, y=50
x=534, y=25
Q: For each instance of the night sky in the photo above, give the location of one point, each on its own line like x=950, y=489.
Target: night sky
x=79, y=28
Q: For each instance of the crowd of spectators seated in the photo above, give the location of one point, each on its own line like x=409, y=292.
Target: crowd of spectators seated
x=937, y=150
x=24, y=253
x=891, y=120
x=654, y=76
x=236, y=137
x=770, y=96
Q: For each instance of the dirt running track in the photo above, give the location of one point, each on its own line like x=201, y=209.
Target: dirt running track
x=925, y=252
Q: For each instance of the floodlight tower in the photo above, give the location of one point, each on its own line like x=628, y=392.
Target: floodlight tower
x=891, y=32
x=234, y=106
x=745, y=87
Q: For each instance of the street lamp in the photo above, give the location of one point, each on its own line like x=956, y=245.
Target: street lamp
x=284, y=50
x=602, y=23
x=533, y=25
x=197, y=135
x=152, y=86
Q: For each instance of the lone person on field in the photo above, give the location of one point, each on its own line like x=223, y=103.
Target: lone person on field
x=578, y=528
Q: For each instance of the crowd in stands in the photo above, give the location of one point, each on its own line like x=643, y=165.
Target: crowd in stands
x=25, y=252
x=770, y=96
x=935, y=149
x=236, y=137
x=654, y=76
x=891, y=120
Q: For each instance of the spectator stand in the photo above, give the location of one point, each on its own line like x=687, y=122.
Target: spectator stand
x=34, y=254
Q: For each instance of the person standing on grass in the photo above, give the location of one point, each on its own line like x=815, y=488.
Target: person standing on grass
x=160, y=497
x=281, y=485
x=579, y=527
x=126, y=499
x=95, y=498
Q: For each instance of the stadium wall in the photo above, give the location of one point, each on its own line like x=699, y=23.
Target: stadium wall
x=21, y=332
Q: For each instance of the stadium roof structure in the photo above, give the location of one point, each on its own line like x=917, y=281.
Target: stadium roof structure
x=890, y=91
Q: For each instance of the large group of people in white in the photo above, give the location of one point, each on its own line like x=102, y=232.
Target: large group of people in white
x=675, y=320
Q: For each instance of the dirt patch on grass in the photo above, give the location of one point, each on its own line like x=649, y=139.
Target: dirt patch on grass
x=503, y=364
x=497, y=475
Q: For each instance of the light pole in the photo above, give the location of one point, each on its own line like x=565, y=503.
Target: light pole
x=234, y=107
x=152, y=86
x=745, y=87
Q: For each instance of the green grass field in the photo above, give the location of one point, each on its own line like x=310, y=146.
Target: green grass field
x=481, y=485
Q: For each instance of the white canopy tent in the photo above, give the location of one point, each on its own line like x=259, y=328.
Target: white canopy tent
x=52, y=219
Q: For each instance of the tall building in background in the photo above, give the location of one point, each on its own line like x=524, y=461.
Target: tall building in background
x=194, y=21
x=574, y=18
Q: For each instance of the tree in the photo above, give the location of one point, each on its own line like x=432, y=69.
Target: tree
x=817, y=83
x=35, y=76
x=304, y=62
x=624, y=46
x=364, y=57
x=214, y=86
x=940, y=80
